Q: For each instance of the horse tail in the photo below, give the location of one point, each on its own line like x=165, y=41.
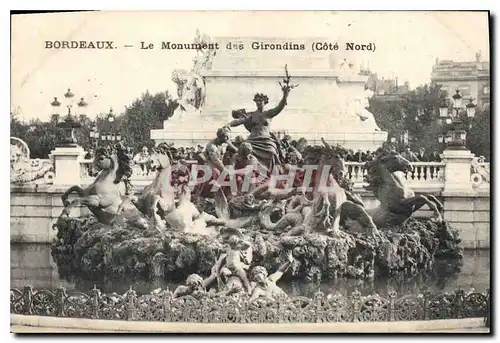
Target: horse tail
x=77, y=189
x=265, y=219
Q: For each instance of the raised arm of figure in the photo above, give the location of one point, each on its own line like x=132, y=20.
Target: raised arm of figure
x=236, y=122
x=180, y=291
x=284, y=267
x=281, y=105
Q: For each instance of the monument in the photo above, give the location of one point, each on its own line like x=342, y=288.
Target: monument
x=330, y=102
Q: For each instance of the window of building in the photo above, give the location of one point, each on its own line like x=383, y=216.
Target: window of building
x=464, y=90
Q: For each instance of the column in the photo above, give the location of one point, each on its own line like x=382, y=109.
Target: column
x=67, y=165
x=457, y=174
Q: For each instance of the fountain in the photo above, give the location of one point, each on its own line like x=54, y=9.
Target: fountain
x=165, y=235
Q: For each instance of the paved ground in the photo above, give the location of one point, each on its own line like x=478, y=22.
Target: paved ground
x=33, y=329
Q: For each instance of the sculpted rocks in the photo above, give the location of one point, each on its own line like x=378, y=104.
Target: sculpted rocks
x=92, y=250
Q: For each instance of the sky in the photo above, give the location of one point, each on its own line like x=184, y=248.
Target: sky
x=407, y=46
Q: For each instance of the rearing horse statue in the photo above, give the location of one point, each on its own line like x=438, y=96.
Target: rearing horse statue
x=397, y=201
x=104, y=196
x=327, y=203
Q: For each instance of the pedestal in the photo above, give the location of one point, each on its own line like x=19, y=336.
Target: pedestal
x=457, y=172
x=67, y=165
x=325, y=103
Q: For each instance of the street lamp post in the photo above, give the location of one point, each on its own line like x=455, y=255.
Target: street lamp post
x=108, y=134
x=454, y=139
x=70, y=122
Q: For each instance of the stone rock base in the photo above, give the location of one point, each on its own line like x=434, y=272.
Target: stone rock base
x=93, y=251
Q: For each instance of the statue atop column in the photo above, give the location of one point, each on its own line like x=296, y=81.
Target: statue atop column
x=190, y=84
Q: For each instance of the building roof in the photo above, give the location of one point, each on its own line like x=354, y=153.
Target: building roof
x=447, y=69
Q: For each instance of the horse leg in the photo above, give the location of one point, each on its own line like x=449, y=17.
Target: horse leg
x=221, y=204
x=92, y=200
x=159, y=221
x=231, y=223
x=358, y=213
x=420, y=200
x=68, y=205
x=77, y=189
x=436, y=201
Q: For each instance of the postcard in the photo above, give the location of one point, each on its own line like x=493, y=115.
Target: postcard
x=250, y=171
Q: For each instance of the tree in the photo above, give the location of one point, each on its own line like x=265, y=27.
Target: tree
x=478, y=138
x=145, y=114
x=416, y=112
x=41, y=137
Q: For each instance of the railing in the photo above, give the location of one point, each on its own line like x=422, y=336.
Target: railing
x=424, y=174
x=211, y=308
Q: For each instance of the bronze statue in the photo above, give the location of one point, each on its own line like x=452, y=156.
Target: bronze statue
x=265, y=146
x=158, y=199
x=195, y=286
x=264, y=285
x=330, y=202
x=397, y=201
x=104, y=197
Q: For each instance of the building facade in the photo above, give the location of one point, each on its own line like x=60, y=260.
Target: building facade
x=472, y=78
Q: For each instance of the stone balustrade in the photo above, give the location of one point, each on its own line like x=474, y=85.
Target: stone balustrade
x=459, y=181
x=429, y=174
x=425, y=175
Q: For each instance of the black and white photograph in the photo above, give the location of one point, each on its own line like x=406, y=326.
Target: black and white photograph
x=250, y=172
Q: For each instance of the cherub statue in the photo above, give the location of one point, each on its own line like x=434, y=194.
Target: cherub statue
x=265, y=286
x=194, y=286
x=235, y=261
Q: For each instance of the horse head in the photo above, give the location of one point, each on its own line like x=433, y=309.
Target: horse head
x=394, y=162
x=380, y=170
x=326, y=156
x=105, y=159
x=161, y=158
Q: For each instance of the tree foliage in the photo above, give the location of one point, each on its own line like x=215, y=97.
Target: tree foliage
x=416, y=112
x=478, y=139
x=41, y=137
x=145, y=114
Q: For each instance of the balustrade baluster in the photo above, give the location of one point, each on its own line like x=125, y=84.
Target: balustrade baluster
x=440, y=173
x=431, y=172
x=418, y=172
x=357, y=173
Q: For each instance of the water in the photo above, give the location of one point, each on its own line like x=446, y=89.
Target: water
x=32, y=264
